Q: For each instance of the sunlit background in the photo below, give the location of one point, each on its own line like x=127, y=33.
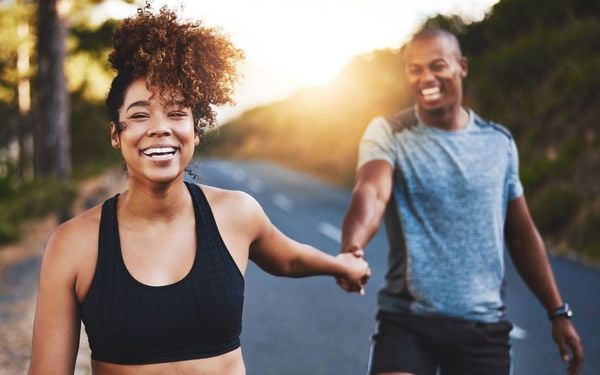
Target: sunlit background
x=316, y=72
x=299, y=43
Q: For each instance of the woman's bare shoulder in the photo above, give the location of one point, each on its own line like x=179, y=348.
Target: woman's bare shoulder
x=240, y=201
x=75, y=238
x=236, y=210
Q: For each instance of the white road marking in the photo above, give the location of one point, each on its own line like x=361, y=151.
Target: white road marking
x=223, y=167
x=331, y=231
x=238, y=175
x=256, y=186
x=518, y=333
x=282, y=202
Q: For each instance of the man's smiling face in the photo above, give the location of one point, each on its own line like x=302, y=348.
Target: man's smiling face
x=435, y=69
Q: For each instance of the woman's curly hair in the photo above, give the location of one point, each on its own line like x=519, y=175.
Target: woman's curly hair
x=185, y=59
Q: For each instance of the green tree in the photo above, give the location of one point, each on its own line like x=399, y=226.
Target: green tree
x=17, y=43
x=82, y=81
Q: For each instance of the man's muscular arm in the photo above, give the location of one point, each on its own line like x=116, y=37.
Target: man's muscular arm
x=529, y=256
x=370, y=195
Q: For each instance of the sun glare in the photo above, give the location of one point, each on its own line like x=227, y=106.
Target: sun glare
x=294, y=44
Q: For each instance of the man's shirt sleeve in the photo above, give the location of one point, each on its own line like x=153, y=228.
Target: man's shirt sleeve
x=514, y=186
x=377, y=143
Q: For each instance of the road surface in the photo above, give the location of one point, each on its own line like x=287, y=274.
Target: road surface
x=310, y=326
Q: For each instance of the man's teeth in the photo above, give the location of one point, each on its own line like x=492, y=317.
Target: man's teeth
x=159, y=151
x=431, y=93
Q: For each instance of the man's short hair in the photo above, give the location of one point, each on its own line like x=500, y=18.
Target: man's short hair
x=435, y=32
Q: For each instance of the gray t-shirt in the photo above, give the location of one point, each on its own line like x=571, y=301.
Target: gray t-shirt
x=445, y=219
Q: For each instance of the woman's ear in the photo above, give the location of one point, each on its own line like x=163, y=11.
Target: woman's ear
x=114, y=136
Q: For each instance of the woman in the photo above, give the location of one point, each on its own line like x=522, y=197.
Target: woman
x=156, y=272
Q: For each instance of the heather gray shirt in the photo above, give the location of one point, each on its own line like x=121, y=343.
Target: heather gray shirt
x=445, y=219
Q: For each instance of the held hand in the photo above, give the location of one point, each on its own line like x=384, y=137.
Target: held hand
x=569, y=345
x=357, y=271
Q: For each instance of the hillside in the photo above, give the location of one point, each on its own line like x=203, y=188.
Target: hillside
x=534, y=67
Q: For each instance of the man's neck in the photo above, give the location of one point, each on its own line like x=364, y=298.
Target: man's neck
x=450, y=120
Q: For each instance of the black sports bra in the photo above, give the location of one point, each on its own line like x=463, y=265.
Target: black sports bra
x=199, y=316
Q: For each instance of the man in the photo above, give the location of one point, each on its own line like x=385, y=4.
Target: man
x=447, y=182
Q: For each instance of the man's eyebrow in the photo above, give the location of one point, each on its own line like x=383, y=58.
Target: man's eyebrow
x=439, y=59
x=139, y=103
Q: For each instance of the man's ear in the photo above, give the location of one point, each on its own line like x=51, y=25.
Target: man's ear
x=196, y=139
x=464, y=65
x=115, y=141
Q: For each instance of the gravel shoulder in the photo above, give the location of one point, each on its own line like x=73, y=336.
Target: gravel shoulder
x=19, y=272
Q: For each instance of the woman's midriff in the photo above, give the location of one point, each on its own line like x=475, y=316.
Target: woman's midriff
x=231, y=363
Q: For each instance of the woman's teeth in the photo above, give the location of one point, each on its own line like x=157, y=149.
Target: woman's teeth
x=159, y=152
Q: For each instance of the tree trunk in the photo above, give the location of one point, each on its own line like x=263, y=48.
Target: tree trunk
x=51, y=129
x=24, y=101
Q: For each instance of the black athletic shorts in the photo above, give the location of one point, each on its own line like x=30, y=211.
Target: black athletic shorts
x=423, y=344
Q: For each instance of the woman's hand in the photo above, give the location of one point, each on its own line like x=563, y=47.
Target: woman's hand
x=357, y=271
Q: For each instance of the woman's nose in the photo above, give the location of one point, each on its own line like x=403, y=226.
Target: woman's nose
x=159, y=128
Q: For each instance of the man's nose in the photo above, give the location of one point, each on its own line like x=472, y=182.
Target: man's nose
x=427, y=75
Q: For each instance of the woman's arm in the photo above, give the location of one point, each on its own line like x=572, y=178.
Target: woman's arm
x=280, y=255
x=57, y=322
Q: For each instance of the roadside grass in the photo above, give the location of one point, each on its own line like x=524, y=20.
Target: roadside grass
x=19, y=202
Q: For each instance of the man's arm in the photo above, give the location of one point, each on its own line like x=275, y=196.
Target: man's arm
x=529, y=256
x=370, y=195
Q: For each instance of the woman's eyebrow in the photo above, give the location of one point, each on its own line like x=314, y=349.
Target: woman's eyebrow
x=139, y=103
x=174, y=103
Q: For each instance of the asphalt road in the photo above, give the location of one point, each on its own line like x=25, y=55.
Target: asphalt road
x=311, y=327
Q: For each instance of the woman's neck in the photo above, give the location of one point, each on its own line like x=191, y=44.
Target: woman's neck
x=154, y=201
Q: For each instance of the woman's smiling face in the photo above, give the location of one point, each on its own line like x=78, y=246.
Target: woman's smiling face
x=157, y=139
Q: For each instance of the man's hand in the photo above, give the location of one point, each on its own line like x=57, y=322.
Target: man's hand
x=569, y=345
x=358, y=271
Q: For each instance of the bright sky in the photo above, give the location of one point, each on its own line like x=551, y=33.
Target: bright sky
x=290, y=44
